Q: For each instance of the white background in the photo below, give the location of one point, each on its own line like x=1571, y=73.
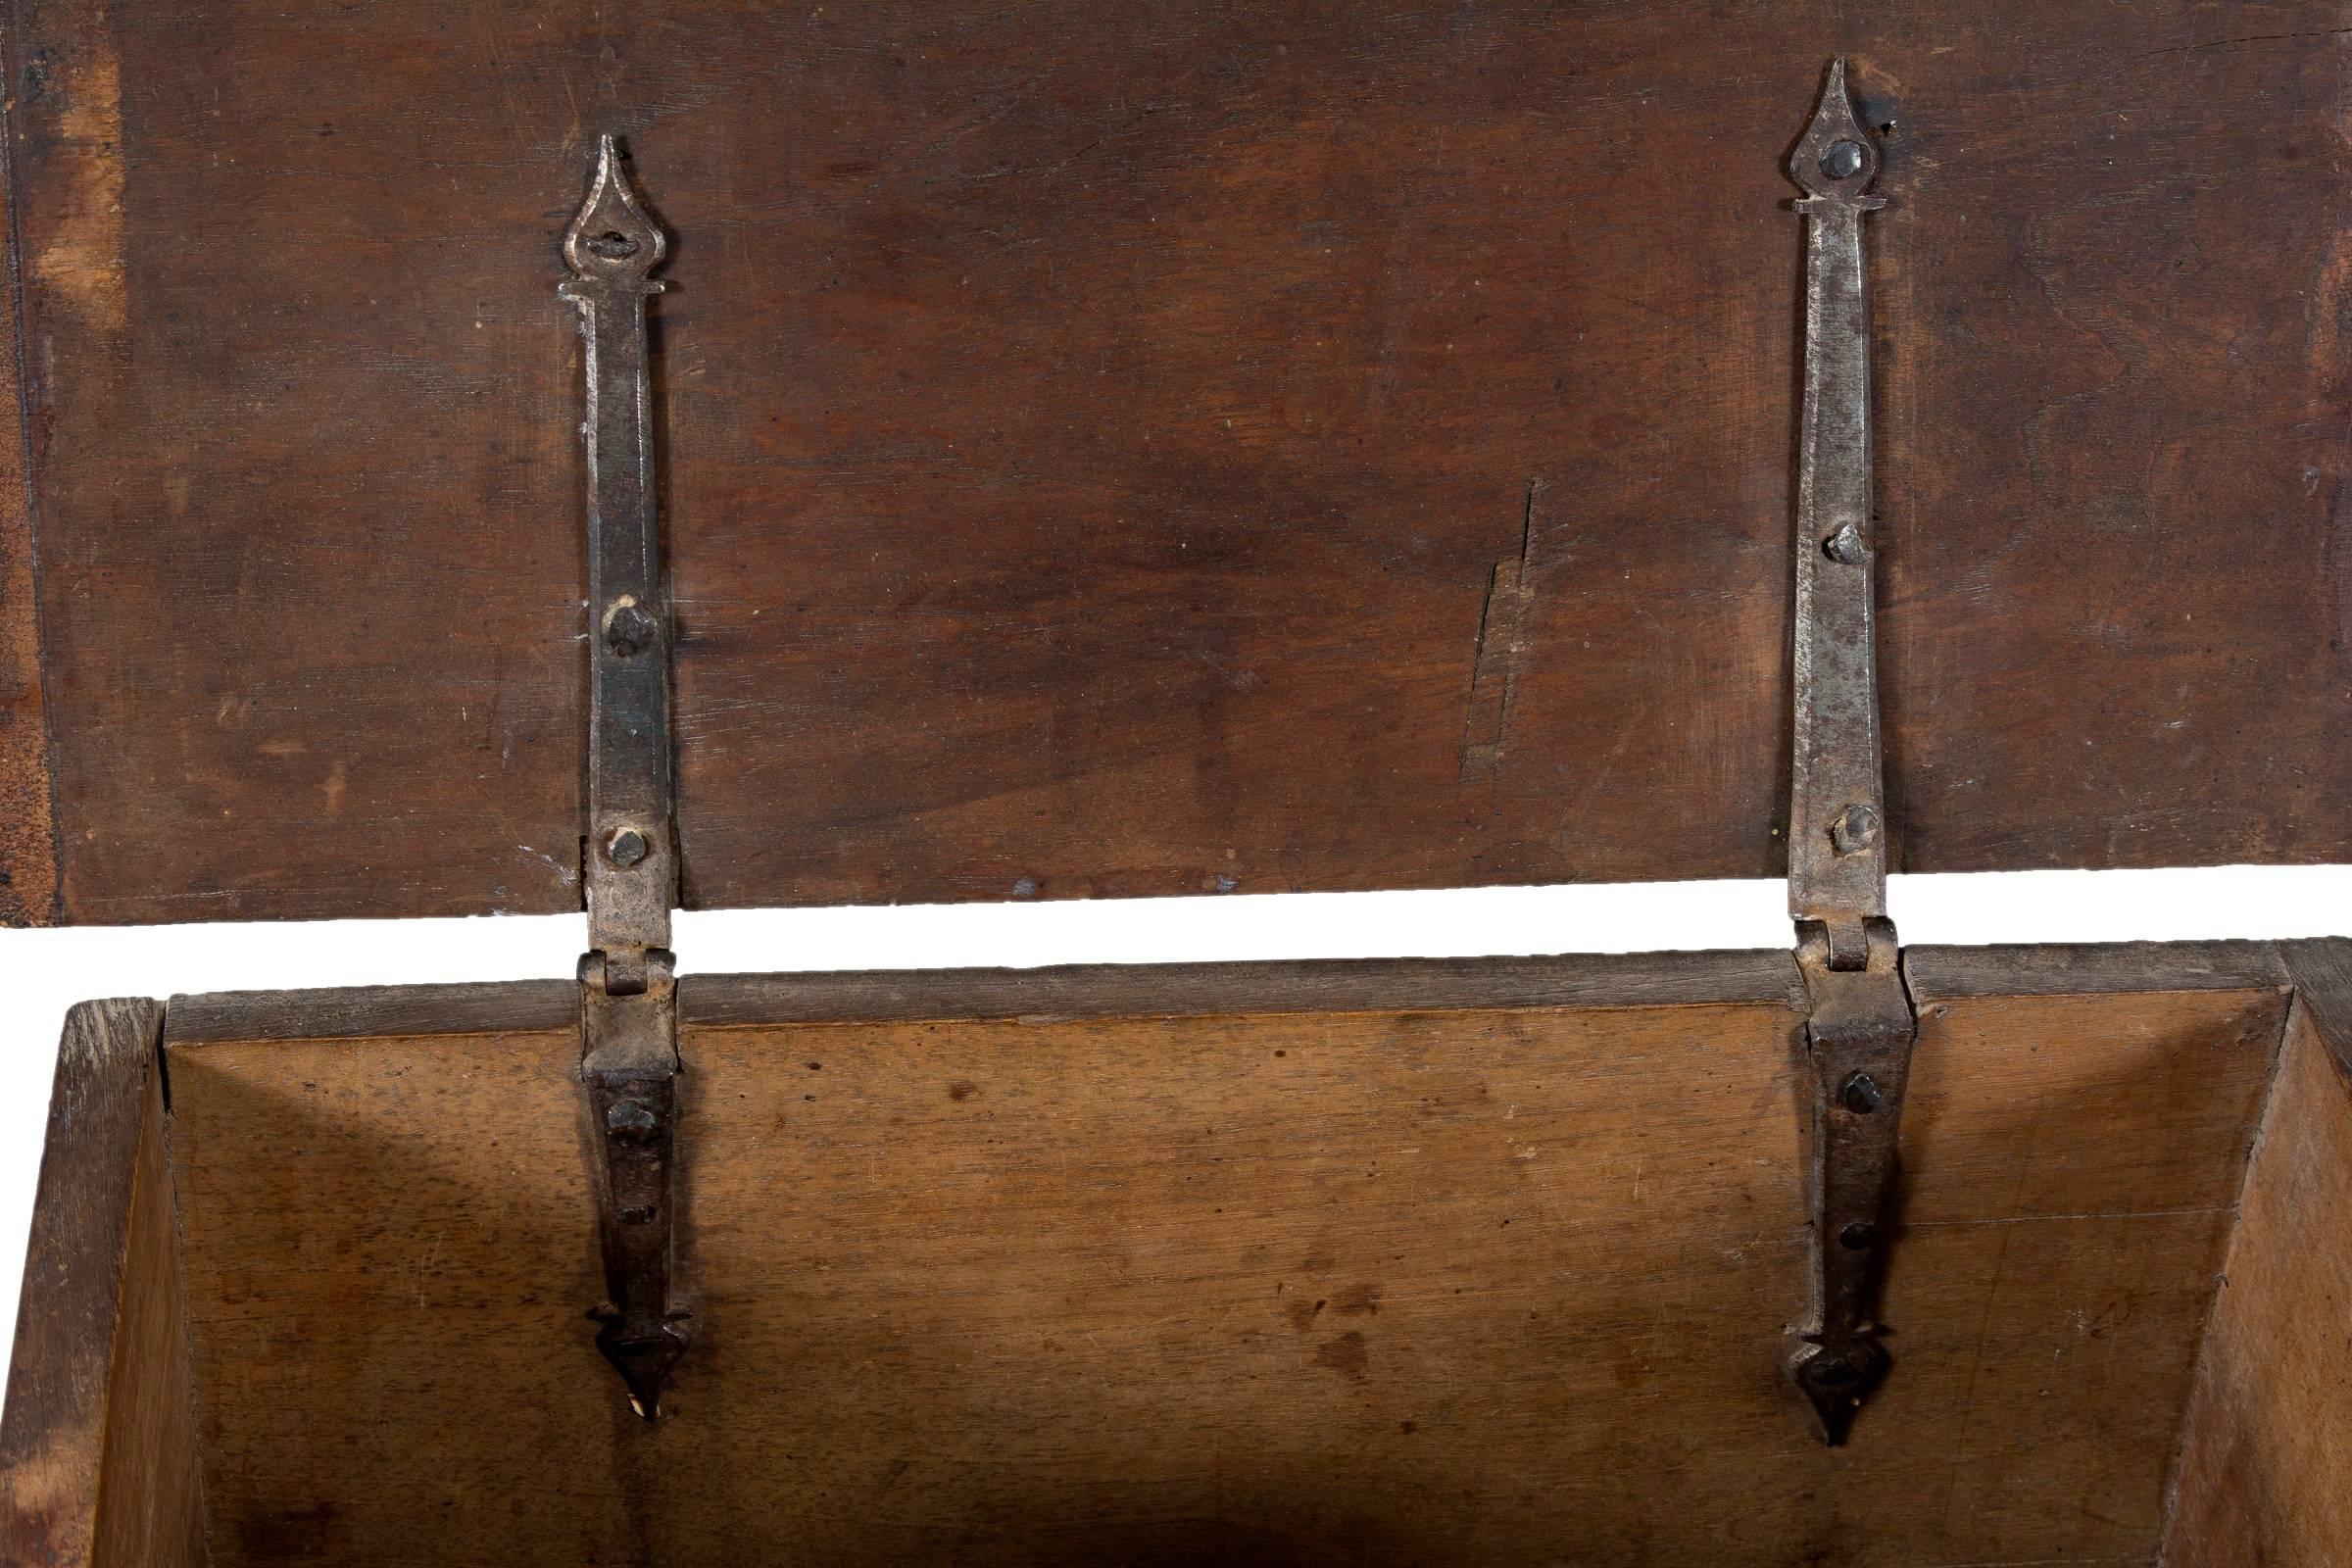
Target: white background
x=48, y=972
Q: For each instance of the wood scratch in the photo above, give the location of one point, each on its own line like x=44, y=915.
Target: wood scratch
x=1500, y=656
x=2251, y=37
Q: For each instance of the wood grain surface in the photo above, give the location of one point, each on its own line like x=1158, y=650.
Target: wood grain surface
x=1094, y=990
x=1068, y=1285
x=2266, y=1475
x=98, y=1460
x=1164, y=447
x=27, y=828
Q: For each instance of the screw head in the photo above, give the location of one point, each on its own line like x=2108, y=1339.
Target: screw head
x=629, y=630
x=1861, y=1094
x=1845, y=546
x=1855, y=830
x=626, y=848
x=1842, y=160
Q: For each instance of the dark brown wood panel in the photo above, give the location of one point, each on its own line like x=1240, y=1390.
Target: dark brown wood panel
x=1115, y=1280
x=1171, y=447
x=27, y=831
x=98, y=1456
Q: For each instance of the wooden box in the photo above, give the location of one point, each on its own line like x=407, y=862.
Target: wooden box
x=1392, y=1262
x=1177, y=448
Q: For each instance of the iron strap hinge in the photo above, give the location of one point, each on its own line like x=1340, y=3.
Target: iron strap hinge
x=628, y=987
x=1860, y=1025
x=1859, y=1030
x=1836, y=838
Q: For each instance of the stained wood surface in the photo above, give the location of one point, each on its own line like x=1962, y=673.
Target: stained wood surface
x=27, y=830
x=1186, y=990
x=1105, y=990
x=1933, y=974
x=98, y=1460
x=1163, y=448
x=2266, y=1475
x=1066, y=1283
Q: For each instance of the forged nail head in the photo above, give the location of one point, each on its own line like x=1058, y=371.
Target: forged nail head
x=630, y=1116
x=1855, y=830
x=629, y=630
x=1835, y=1378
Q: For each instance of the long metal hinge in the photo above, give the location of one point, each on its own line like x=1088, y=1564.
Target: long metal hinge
x=628, y=991
x=1860, y=1025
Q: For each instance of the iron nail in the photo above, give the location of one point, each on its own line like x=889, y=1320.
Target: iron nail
x=628, y=1116
x=629, y=630
x=1845, y=546
x=1857, y=1235
x=1844, y=160
x=1833, y=1372
x=1855, y=830
x=627, y=848
x=1860, y=1094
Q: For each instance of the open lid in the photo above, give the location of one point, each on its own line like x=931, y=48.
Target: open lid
x=1156, y=449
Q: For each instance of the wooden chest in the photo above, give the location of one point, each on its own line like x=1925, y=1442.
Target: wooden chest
x=1176, y=448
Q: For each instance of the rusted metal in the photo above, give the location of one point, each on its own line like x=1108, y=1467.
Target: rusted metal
x=630, y=1067
x=612, y=247
x=1860, y=1027
x=1858, y=1039
x=628, y=1012
x=1836, y=880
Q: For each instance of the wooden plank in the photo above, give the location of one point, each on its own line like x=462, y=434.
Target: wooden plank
x=360, y=1012
x=2322, y=976
x=1109, y=989
x=1392, y=1282
x=1163, y=448
x=27, y=825
x=1183, y=990
x=2263, y=1473
x=98, y=1458
x=1942, y=974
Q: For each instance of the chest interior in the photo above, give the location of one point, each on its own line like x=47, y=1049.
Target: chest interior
x=1194, y=1265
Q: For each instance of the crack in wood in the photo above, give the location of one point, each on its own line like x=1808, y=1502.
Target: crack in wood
x=1500, y=656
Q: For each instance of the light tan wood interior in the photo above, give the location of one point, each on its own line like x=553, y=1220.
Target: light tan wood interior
x=2267, y=1472
x=1154, y=1267
x=150, y=1493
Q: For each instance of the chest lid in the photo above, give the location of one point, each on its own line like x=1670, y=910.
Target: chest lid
x=1152, y=450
